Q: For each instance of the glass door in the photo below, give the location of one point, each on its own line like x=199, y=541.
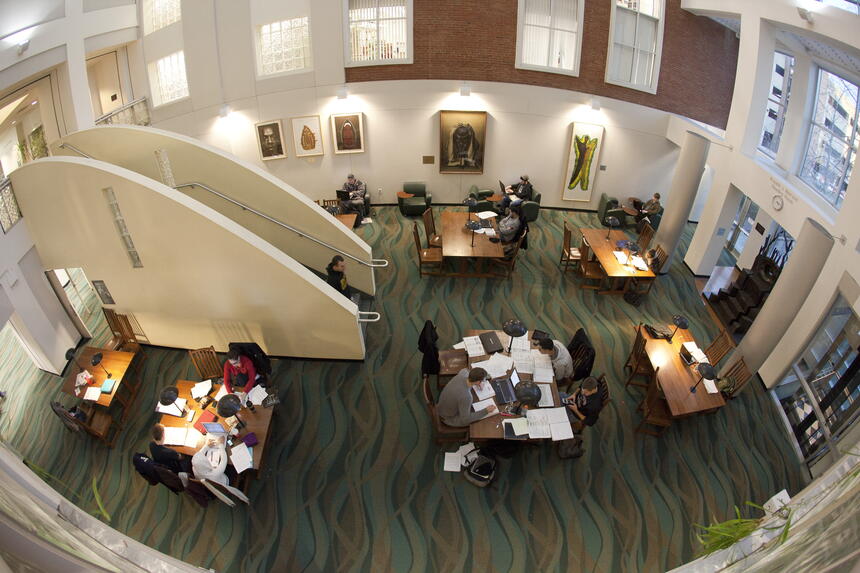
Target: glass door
x=741, y=226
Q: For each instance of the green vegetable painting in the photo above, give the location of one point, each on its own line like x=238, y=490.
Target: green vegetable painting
x=584, y=147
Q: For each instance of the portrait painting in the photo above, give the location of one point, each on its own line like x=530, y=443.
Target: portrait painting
x=307, y=135
x=582, y=161
x=462, y=141
x=270, y=136
x=347, y=132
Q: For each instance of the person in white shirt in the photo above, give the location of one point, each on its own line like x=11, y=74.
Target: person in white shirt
x=210, y=461
x=562, y=363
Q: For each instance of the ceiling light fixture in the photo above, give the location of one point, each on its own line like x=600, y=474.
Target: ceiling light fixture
x=34, y=102
x=595, y=103
x=342, y=92
x=805, y=14
x=22, y=47
x=225, y=110
x=465, y=90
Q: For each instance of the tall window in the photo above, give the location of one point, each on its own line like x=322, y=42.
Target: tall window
x=160, y=13
x=777, y=102
x=9, y=212
x=167, y=79
x=548, y=35
x=284, y=47
x=635, y=43
x=833, y=138
x=852, y=6
x=380, y=32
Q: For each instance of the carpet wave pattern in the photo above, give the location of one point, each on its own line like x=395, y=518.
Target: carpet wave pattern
x=353, y=480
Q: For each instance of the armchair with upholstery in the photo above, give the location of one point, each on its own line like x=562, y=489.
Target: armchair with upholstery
x=480, y=193
x=531, y=209
x=606, y=203
x=482, y=205
x=418, y=203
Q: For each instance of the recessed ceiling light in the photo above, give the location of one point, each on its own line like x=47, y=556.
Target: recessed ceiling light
x=34, y=102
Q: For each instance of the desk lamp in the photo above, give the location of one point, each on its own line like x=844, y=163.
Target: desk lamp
x=230, y=405
x=514, y=328
x=632, y=249
x=528, y=394
x=168, y=397
x=680, y=323
x=474, y=226
x=70, y=355
x=612, y=221
x=97, y=361
x=706, y=371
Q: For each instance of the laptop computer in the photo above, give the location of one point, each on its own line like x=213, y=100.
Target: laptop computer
x=491, y=342
x=342, y=194
x=502, y=187
x=504, y=390
x=214, y=428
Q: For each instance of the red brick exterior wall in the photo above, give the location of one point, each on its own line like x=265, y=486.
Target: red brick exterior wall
x=476, y=40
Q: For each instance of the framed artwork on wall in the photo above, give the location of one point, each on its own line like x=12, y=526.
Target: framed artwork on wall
x=103, y=292
x=347, y=132
x=270, y=137
x=582, y=161
x=307, y=135
x=462, y=140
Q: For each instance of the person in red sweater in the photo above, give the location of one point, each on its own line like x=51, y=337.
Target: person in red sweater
x=238, y=371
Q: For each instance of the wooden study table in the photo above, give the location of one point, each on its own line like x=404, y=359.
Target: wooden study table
x=347, y=219
x=491, y=428
x=457, y=242
x=604, y=249
x=676, y=377
x=114, y=361
x=259, y=421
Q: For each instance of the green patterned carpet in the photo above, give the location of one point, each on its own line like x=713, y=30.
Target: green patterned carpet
x=354, y=482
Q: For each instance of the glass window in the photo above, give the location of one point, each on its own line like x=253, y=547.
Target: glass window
x=9, y=212
x=548, y=36
x=378, y=31
x=284, y=47
x=832, y=144
x=852, y=6
x=167, y=79
x=160, y=13
x=634, y=45
x=777, y=103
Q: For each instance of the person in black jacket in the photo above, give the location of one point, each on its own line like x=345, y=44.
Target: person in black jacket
x=168, y=457
x=427, y=345
x=336, y=271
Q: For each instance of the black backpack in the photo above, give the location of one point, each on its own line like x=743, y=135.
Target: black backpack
x=481, y=470
x=571, y=449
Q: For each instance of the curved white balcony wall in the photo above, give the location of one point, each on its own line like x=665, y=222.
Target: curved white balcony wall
x=205, y=280
x=134, y=148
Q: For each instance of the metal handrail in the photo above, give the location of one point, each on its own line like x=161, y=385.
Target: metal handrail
x=374, y=263
x=75, y=149
x=370, y=317
x=120, y=109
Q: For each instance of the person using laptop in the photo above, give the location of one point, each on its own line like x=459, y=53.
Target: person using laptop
x=357, y=190
x=509, y=227
x=517, y=192
x=210, y=461
x=168, y=457
x=562, y=363
x=649, y=207
x=584, y=406
x=455, y=402
x=239, y=372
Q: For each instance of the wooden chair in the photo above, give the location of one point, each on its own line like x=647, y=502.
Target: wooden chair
x=645, y=237
x=740, y=374
x=569, y=254
x=426, y=257
x=660, y=259
x=603, y=387
x=206, y=363
x=331, y=203
x=441, y=431
x=655, y=412
x=720, y=346
x=317, y=201
x=590, y=270
x=508, y=263
x=433, y=240
x=100, y=424
x=450, y=363
x=638, y=362
x=129, y=338
x=116, y=333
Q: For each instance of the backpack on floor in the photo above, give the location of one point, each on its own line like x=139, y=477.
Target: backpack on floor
x=571, y=449
x=481, y=470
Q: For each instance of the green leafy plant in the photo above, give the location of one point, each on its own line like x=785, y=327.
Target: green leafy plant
x=100, y=510
x=724, y=534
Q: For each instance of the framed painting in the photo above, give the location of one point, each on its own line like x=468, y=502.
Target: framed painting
x=103, y=292
x=270, y=137
x=462, y=141
x=347, y=132
x=582, y=161
x=307, y=135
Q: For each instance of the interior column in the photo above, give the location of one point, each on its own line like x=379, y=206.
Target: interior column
x=788, y=295
x=682, y=193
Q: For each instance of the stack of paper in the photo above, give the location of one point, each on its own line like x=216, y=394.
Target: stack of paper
x=490, y=232
x=201, y=389
x=523, y=361
x=221, y=392
x=455, y=460
x=538, y=424
x=174, y=409
x=484, y=390
x=710, y=386
x=241, y=457
x=521, y=343
x=545, y=396
x=474, y=346
x=487, y=215
x=559, y=424
x=257, y=395
x=498, y=365
x=175, y=436
x=193, y=438
x=639, y=263
x=695, y=352
x=480, y=405
x=93, y=393
x=519, y=426
x=542, y=374
x=621, y=257
x=542, y=367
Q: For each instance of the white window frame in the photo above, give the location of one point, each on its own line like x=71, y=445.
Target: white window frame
x=347, y=53
x=780, y=118
x=810, y=123
x=655, y=76
x=155, y=81
x=147, y=10
x=580, y=11
x=258, y=49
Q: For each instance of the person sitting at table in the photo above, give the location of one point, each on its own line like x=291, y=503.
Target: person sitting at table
x=517, y=192
x=562, y=363
x=455, y=402
x=357, y=190
x=510, y=228
x=584, y=406
x=650, y=206
x=239, y=372
x=210, y=461
x=165, y=456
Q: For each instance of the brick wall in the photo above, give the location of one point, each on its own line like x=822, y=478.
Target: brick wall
x=476, y=40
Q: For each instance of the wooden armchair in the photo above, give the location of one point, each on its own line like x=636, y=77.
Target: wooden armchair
x=433, y=238
x=590, y=270
x=736, y=377
x=426, y=257
x=569, y=254
x=638, y=362
x=206, y=362
x=508, y=263
x=655, y=412
x=441, y=431
x=718, y=349
x=645, y=237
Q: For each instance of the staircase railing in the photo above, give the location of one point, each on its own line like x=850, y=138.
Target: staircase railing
x=134, y=113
